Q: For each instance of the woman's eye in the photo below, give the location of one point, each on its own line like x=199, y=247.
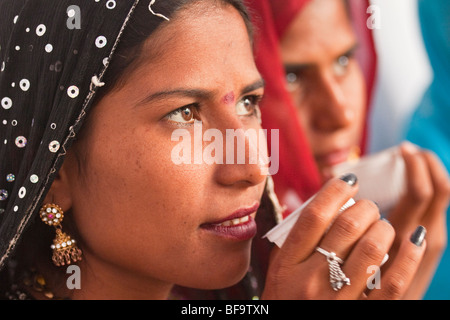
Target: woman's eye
x=247, y=106
x=291, y=81
x=184, y=115
x=295, y=80
x=341, y=64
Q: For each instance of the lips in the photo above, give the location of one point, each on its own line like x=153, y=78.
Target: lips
x=333, y=158
x=239, y=226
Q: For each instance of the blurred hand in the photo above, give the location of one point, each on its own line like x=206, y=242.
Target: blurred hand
x=425, y=203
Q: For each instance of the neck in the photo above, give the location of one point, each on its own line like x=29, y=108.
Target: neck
x=100, y=280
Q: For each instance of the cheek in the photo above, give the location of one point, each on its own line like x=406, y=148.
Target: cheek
x=132, y=201
x=355, y=91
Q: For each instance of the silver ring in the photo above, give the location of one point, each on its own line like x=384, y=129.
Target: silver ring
x=337, y=277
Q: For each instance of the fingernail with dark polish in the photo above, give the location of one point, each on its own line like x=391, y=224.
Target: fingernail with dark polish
x=376, y=203
x=350, y=178
x=418, y=236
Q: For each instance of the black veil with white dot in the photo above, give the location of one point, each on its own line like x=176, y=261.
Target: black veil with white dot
x=53, y=55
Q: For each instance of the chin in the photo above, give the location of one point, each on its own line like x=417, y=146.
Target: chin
x=222, y=274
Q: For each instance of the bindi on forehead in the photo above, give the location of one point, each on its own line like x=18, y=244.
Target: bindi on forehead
x=229, y=98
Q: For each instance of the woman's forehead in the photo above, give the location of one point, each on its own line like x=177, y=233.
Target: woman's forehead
x=204, y=52
x=323, y=27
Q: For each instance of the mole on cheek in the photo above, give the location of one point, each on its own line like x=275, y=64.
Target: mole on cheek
x=229, y=98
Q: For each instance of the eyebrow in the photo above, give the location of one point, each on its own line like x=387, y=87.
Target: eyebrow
x=295, y=68
x=196, y=93
x=350, y=51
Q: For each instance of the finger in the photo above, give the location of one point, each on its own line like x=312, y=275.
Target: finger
x=367, y=253
x=419, y=188
x=349, y=227
x=441, y=188
x=316, y=218
x=397, y=279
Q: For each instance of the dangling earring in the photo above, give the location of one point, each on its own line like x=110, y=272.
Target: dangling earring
x=355, y=154
x=65, y=250
x=278, y=208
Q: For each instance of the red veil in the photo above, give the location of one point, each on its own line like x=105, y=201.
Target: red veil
x=297, y=169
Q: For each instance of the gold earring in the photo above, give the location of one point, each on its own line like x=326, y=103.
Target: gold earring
x=65, y=250
x=355, y=154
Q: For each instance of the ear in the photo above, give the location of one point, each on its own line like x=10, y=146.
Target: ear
x=60, y=191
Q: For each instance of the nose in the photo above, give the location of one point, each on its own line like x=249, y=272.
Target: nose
x=244, y=154
x=328, y=103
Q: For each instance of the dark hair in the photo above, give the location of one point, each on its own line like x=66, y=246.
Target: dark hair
x=34, y=249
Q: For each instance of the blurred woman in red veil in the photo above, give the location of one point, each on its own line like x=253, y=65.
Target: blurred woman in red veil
x=318, y=96
x=294, y=85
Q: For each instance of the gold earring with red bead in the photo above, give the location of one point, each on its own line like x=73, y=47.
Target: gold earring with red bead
x=65, y=250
